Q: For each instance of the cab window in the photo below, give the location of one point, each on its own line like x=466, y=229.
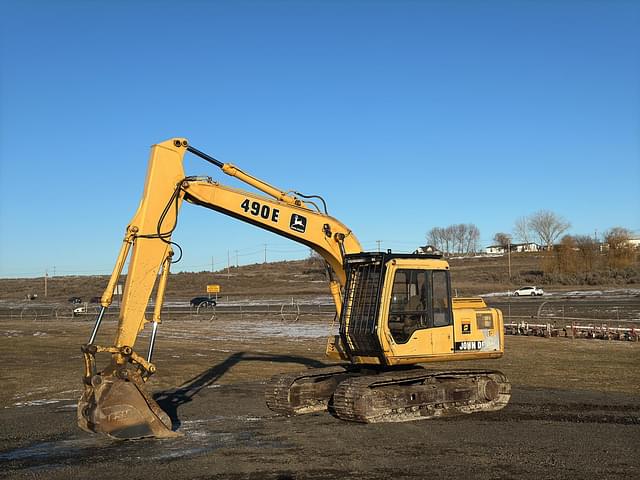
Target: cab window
x=409, y=309
x=419, y=299
x=441, y=310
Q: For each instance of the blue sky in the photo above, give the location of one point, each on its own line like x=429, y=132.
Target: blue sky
x=403, y=115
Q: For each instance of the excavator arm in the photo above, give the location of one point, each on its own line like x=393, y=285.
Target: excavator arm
x=113, y=401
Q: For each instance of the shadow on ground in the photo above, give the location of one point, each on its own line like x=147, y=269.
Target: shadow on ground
x=171, y=400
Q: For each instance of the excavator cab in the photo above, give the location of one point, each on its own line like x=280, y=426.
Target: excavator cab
x=398, y=310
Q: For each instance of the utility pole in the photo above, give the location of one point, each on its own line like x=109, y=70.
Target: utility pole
x=46, y=277
x=212, y=269
x=509, y=257
x=378, y=242
x=237, y=265
x=228, y=263
x=265, y=253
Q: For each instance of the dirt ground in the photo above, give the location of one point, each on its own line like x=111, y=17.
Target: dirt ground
x=574, y=413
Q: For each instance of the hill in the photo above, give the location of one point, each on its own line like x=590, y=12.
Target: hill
x=470, y=276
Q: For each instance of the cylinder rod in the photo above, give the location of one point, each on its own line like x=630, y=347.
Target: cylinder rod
x=97, y=325
x=204, y=156
x=152, y=341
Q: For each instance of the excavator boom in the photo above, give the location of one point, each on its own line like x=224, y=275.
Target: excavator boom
x=113, y=401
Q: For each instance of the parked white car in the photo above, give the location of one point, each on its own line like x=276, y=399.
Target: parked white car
x=528, y=291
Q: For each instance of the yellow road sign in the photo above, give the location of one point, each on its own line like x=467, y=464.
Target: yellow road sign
x=213, y=288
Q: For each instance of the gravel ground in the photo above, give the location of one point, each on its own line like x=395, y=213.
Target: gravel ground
x=574, y=413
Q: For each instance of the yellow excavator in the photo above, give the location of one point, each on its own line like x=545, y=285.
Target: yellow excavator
x=395, y=311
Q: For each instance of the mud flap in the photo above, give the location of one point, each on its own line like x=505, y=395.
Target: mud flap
x=120, y=408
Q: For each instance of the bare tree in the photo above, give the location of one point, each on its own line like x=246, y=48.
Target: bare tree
x=450, y=238
x=587, y=252
x=459, y=235
x=460, y=238
x=547, y=226
x=473, y=238
x=566, y=255
x=522, y=230
x=436, y=237
x=620, y=253
x=502, y=239
x=617, y=237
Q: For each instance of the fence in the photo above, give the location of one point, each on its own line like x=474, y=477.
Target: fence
x=37, y=313
x=290, y=311
x=609, y=319
x=603, y=331
x=546, y=319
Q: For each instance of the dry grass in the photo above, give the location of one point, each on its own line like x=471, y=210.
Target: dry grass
x=470, y=276
x=186, y=348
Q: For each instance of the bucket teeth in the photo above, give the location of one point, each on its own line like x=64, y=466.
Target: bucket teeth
x=118, y=406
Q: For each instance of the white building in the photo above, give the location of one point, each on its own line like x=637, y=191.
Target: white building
x=495, y=250
x=525, y=247
x=515, y=247
x=634, y=242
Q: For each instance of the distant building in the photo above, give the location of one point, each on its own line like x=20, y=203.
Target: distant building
x=495, y=250
x=428, y=249
x=515, y=247
x=634, y=242
x=525, y=247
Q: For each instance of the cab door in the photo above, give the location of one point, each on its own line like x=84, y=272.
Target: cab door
x=442, y=331
x=418, y=318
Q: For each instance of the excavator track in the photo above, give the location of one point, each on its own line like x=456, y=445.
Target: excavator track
x=304, y=392
x=420, y=394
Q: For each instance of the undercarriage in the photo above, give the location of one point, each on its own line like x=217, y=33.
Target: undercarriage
x=374, y=396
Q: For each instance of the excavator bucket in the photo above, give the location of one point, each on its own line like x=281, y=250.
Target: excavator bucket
x=120, y=408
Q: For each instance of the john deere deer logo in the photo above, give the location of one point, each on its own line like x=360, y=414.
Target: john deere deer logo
x=298, y=223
